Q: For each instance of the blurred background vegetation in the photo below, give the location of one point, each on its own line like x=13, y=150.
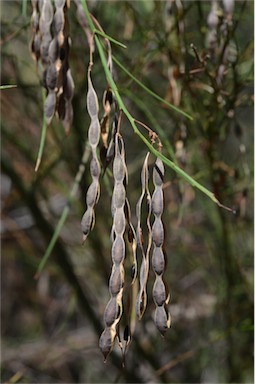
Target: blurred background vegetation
x=51, y=326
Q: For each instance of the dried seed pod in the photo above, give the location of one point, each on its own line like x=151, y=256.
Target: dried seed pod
x=111, y=312
x=116, y=283
x=36, y=37
x=162, y=319
x=144, y=271
x=93, y=191
x=83, y=22
x=119, y=196
x=50, y=44
x=107, y=104
x=111, y=148
x=49, y=106
x=94, y=167
x=159, y=292
x=158, y=232
x=157, y=202
x=106, y=340
x=158, y=260
x=116, y=279
x=132, y=240
x=87, y=222
x=118, y=250
x=92, y=101
x=51, y=77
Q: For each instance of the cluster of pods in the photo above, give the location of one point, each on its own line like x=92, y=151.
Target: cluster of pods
x=50, y=48
x=123, y=232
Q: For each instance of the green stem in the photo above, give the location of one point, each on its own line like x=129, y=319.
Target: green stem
x=150, y=91
x=7, y=87
x=110, y=38
x=43, y=137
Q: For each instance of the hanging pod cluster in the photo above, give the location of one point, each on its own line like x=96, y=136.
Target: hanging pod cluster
x=50, y=47
x=132, y=249
x=124, y=274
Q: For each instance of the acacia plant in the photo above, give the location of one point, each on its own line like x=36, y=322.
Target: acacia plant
x=50, y=47
x=135, y=157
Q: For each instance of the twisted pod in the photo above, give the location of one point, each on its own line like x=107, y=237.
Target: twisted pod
x=144, y=271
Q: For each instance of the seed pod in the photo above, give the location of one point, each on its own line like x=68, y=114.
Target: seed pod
x=158, y=173
x=92, y=102
x=94, y=133
x=162, y=319
x=117, y=278
x=83, y=22
x=51, y=77
x=118, y=250
x=50, y=44
x=159, y=291
x=87, y=222
x=111, y=312
x=49, y=106
x=118, y=168
x=132, y=240
x=58, y=21
x=106, y=340
x=119, y=221
x=47, y=12
x=157, y=202
x=144, y=271
x=158, y=232
x=118, y=196
x=93, y=137
x=158, y=260
x=92, y=194
x=94, y=167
